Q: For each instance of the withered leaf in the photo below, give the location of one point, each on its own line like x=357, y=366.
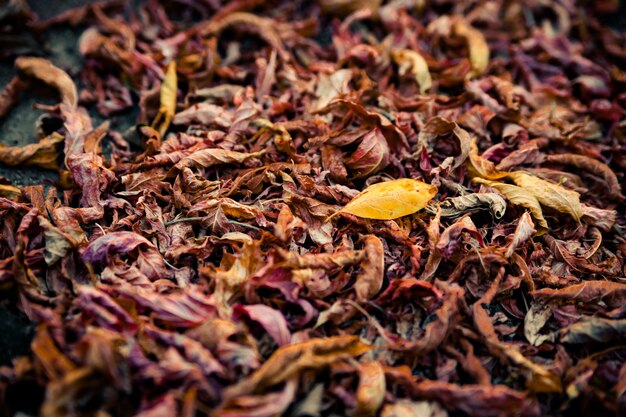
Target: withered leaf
x=476, y=43
x=371, y=390
x=391, y=199
x=371, y=156
x=593, y=330
x=290, y=360
x=412, y=62
x=44, y=70
x=520, y=197
x=458, y=206
x=483, y=167
x=550, y=195
x=370, y=280
x=167, y=109
x=43, y=154
x=588, y=292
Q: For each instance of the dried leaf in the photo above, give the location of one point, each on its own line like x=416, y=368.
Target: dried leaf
x=612, y=294
x=595, y=167
x=371, y=156
x=370, y=279
x=291, y=360
x=483, y=167
x=167, y=109
x=476, y=43
x=44, y=70
x=593, y=330
x=407, y=408
x=345, y=7
x=43, y=154
x=458, y=206
x=209, y=157
x=535, y=319
x=390, y=200
x=519, y=197
x=524, y=230
x=550, y=195
x=411, y=61
x=371, y=390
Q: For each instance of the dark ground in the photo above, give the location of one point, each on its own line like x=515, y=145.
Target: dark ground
x=18, y=129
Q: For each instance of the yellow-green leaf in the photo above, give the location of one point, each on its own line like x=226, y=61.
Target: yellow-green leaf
x=391, y=199
x=519, y=197
x=549, y=194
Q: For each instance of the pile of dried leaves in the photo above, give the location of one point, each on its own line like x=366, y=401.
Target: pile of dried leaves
x=341, y=207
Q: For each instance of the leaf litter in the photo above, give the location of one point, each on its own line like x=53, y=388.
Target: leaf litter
x=339, y=207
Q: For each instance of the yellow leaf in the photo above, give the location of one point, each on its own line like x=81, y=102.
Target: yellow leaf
x=550, y=195
x=476, y=44
x=482, y=166
x=168, y=100
x=391, y=199
x=411, y=61
x=519, y=197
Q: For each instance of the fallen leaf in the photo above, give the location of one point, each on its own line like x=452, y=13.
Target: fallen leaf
x=458, y=206
x=407, y=408
x=370, y=279
x=345, y=7
x=371, y=156
x=167, y=109
x=390, y=200
x=519, y=197
x=411, y=61
x=43, y=154
x=592, y=165
x=550, y=195
x=593, y=330
x=371, y=390
x=476, y=43
x=44, y=70
x=612, y=294
x=482, y=166
x=288, y=361
x=524, y=230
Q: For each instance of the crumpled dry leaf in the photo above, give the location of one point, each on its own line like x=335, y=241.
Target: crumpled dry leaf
x=370, y=280
x=550, y=195
x=43, y=70
x=523, y=231
x=439, y=126
x=613, y=294
x=407, y=408
x=43, y=154
x=345, y=7
x=483, y=167
x=520, y=197
x=593, y=330
x=458, y=206
x=390, y=200
x=595, y=167
x=412, y=62
x=371, y=390
x=291, y=360
x=167, y=109
x=476, y=43
x=371, y=156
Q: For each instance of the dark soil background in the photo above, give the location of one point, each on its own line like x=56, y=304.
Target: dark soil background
x=18, y=129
